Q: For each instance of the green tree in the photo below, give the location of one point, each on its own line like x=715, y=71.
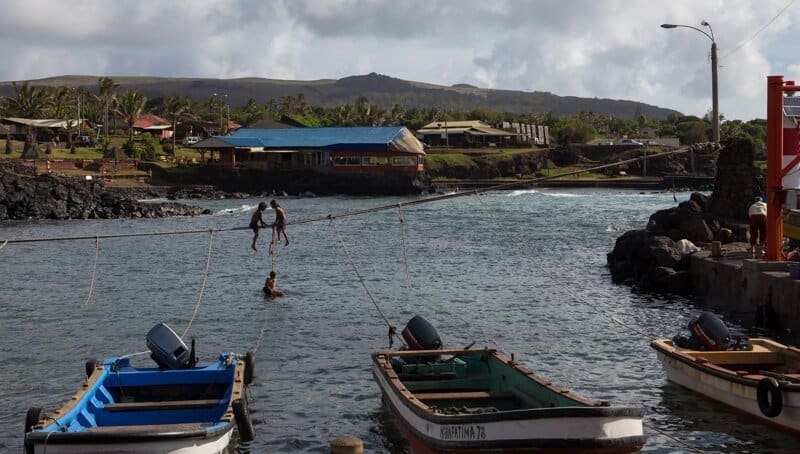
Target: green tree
x=31, y=102
x=130, y=106
x=177, y=109
x=107, y=91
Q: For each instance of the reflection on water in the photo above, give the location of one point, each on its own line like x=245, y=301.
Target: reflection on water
x=536, y=285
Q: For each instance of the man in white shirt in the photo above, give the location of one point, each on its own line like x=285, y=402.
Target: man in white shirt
x=758, y=223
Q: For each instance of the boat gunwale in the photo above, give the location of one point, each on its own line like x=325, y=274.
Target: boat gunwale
x=592, y=408
x=224, y=424
x=665, y=347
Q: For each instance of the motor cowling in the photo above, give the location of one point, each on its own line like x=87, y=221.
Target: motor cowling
x=709, y=332
x=421, y=335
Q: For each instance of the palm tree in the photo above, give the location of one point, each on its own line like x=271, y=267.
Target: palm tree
x=31, y=102
x=130, y=106
x=177, y=109
x=107, y=92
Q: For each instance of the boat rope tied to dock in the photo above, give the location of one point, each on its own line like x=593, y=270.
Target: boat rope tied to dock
x=94, y=270
x=203, y=286
x=410, y=286
x=392, y=329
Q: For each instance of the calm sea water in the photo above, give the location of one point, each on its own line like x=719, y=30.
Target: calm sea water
x=523, y=271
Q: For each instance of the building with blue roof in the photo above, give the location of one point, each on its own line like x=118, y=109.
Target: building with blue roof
x=361, y=149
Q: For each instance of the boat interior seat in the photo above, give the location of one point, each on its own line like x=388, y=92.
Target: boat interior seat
x=465, y=395
x=424, y=377
x=733, y=357
x=163, y=405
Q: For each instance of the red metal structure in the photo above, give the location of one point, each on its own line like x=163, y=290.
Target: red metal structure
x=776, y=194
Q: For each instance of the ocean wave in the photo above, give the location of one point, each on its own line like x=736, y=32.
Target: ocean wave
x=236, y=210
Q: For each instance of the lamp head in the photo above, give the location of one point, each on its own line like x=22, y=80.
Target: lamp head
x=668, y=26
x=704, y=23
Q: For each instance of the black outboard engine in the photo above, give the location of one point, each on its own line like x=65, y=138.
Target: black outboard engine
x=708, y=332
x=168, y=350
x=421, y=335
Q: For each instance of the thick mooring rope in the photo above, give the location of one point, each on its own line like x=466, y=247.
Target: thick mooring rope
x=410, y=286
x=94, y=270
x=392, y=329
x=203, y=286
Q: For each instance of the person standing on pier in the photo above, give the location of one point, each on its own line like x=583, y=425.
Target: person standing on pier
x=758, y=223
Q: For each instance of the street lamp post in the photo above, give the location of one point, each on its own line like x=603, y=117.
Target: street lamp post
x=220, y=109
x=714, y=93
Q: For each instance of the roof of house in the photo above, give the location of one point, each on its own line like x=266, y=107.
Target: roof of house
x=365, y=138
x=150, y=121
x=43, y=123
x=471, y=127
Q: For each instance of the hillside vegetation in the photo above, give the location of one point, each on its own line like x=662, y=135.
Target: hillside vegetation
x=382, y=90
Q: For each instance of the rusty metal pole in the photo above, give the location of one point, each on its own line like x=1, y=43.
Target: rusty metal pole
x=775, y=192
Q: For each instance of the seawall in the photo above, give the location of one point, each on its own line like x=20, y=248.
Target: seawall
x=740, y=284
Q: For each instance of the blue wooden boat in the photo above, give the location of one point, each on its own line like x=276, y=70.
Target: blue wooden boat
x=122, y=408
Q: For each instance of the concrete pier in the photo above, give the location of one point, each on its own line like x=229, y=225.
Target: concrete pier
x=739, y=283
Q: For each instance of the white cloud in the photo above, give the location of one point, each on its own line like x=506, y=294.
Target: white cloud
x=603, y=48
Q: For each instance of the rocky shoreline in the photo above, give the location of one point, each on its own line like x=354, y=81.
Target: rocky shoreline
x=656, y=258
x=60, y=197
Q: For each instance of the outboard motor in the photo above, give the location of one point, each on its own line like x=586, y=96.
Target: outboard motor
x=421, y=335
x=168, y=350
x=708, y=332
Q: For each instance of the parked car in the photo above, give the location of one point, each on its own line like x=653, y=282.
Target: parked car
x=85, y=141
x=630, y=142
x=190, y=140
x=606, y=142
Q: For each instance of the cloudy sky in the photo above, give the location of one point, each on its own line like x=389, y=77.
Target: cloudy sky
x=593, y=48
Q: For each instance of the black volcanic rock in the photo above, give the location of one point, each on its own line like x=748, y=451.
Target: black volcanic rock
x=56, y=197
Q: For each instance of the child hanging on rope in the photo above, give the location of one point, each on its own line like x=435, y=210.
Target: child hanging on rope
x=257, y=222
x=271, y=285
x=280, y=221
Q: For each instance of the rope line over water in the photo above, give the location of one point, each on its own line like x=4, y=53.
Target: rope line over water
x=356, y=212
x=392, y=329
x=203, y=286
x=94, y=270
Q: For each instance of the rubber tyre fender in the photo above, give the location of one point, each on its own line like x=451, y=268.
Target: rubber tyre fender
x=243, y=422
x=770, y=398
x=90, y=366
x=31, y=419
x=249, y=367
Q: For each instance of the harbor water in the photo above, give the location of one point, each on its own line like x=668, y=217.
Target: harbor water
x=522, y=271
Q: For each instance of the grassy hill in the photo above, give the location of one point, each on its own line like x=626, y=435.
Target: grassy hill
x=382, y=90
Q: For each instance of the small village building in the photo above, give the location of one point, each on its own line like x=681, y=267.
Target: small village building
x=45, y=128
x=158, y=127
x=463, y=134
x=344, y=150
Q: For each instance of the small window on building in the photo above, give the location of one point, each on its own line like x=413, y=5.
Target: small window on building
x=375, y=160
x=347, y=160
x=404, y=160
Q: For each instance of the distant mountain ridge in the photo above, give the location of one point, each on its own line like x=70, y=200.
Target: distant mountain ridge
x=379, y=89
